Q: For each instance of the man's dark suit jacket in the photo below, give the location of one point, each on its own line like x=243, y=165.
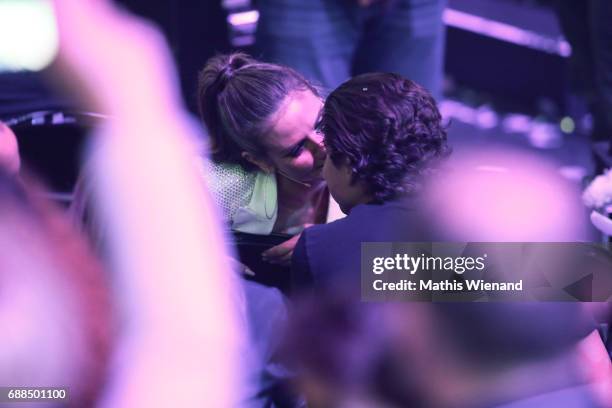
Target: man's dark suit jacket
x=329, y=255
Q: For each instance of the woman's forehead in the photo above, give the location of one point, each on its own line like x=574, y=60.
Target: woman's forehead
x=294, y=120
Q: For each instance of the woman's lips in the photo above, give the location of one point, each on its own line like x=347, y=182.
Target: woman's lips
x=317, y=173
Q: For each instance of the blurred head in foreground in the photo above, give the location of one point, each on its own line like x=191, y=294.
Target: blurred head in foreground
x=506, y=195
x=54, y=309
x=382, y=134
x=435, y=355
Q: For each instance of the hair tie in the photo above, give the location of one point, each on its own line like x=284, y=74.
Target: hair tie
x=223, y=77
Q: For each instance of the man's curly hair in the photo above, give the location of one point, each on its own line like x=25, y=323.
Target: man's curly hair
x=388, y=128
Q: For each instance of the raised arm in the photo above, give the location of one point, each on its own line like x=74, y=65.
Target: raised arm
x=173, y=288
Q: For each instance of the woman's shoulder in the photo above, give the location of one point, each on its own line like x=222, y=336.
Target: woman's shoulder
x=230, y=185
x=226, y=174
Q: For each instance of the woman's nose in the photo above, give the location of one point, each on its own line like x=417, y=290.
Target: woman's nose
x=317, y=150
x=316, y=141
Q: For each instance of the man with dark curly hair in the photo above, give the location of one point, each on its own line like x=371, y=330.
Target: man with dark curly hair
x=383, y=135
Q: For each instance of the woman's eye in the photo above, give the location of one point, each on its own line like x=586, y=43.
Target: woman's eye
x=295, y=152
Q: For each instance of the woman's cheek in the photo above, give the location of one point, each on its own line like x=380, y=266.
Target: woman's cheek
x=304, y=163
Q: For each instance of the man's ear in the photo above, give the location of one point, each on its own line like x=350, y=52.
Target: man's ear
x=262, y=164
x=347, y=169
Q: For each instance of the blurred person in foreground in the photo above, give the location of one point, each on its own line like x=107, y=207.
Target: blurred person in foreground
x=510, y=355
x=172, y=290
x=56, y=317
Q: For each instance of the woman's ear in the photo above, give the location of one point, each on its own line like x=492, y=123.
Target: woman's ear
x=262, y=164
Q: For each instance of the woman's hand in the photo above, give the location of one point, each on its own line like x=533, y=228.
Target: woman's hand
x=282, y=253
x=239, y=267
